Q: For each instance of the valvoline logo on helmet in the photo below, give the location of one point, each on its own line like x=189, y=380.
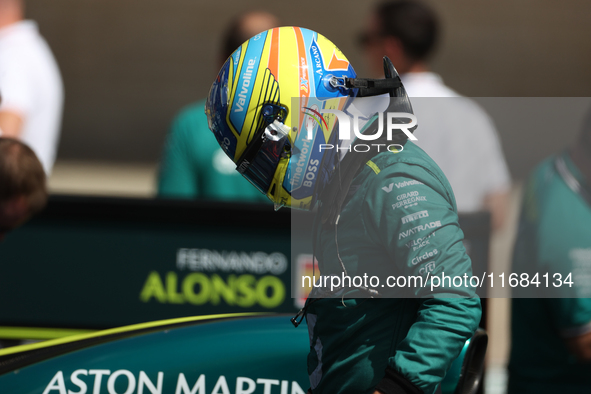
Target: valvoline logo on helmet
x=246, y=80
x=243, y=88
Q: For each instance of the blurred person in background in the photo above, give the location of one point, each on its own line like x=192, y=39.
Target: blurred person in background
x=22, y=184
x=551, y=337
x=22, y=191
x=193, y=165
x=30, y=85
x=456, y=133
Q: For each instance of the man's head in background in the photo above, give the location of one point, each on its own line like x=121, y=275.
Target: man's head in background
x=242, y=28
x=406, y=31
x=22, y=184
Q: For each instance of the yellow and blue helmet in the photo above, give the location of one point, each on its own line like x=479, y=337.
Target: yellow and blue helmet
x=265, y=110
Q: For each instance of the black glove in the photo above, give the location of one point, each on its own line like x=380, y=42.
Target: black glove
x=395, y=383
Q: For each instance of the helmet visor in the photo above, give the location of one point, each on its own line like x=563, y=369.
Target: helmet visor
x=260, y=160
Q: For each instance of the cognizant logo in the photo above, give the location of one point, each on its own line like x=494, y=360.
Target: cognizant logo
x=401, y=121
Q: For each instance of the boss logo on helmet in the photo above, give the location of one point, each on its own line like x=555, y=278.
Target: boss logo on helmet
x=311, y=174
x=300, y=164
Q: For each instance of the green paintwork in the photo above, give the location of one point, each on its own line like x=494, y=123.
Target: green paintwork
x=251, y=348
x=233, y=356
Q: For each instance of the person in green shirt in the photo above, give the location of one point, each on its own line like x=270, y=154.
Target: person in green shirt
x=192, y=164
x=551, y=331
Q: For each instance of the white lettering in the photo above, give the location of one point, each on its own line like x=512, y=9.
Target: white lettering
x=113, y=378
x=245, y=84
x=366, y=137
x=419, y=242
x=317, y=59
x=425, y=256
x=78, y=382
x=409, y=202
x=221, y=384
x=429, y=267
x=144, y=385
x=231, y=261
x=240, y=386
x=296, y=389
x=401, y=126
x=301, y=163
x=96, y=389
x=361, y=147
x=284, y=386
x=415, y=216
x=184, y=386
x=57, y=383
x=407, y=183
x=345, y=125
x=145, y=381
x=421, y=227
x=407, y=195
x=268, y=383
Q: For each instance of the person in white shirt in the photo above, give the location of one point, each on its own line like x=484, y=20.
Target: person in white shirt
x=31, y=87
x=453, y=130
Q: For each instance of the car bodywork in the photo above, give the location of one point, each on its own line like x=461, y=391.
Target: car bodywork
x=216, y=354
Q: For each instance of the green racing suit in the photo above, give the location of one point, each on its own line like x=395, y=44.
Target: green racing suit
x=400, y=221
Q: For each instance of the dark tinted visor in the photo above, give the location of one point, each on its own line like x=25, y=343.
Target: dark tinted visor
x=259, y=161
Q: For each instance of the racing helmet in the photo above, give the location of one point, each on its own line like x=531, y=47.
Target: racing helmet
x=266, y=106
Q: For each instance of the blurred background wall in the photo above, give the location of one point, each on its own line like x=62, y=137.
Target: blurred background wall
x=130, y=65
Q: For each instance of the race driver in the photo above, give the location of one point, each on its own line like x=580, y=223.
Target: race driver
x=385, y=212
